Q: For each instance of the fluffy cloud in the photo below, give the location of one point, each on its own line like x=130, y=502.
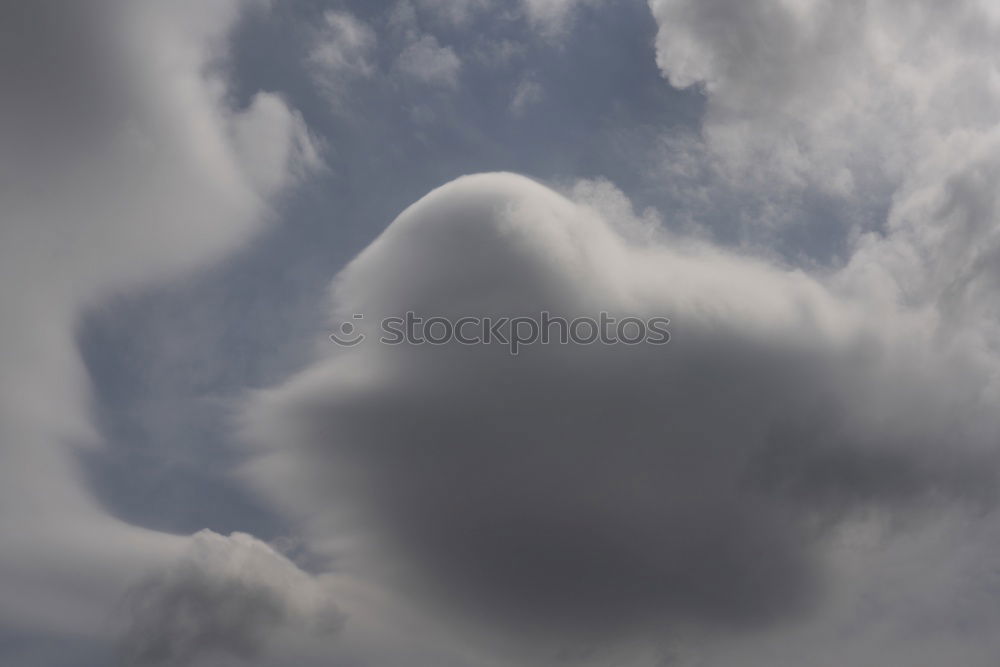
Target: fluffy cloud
x=222, y=598
x=612, y=491
x=345, y=50
x=861, y=99
x=890, y=108
x=124, y=163
x=342, y=51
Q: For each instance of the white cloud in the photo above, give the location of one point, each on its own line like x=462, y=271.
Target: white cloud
x=125, y=165
x=854, y=98
x=344, y=49
x=224, y=597
x=889, y=107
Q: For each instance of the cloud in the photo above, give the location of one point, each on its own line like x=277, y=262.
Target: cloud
x=224, y=597
x=551, y=16
x=888, y=108
x=527, y=93
x=346, y=50
x=811, y=458
x=426, y=61
x=343, y=50
x=857, y=100
x=125, y=163
x=546, y=17
x=901, y=596
x=455, y=12
x=608, y=492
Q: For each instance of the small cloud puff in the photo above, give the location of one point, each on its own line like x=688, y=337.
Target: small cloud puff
x=225, y=597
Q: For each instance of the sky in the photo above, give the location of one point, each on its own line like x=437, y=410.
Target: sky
x=802, y=471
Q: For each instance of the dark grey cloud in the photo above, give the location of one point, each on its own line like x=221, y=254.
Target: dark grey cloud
x=612, y=491
x=167, y=361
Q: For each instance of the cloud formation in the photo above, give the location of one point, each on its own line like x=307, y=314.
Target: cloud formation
x=426, y=61
x=124, y=163
x=805, y=475
x=223, y=598
x=342, y=50
x=879, y=104
x=611, y=491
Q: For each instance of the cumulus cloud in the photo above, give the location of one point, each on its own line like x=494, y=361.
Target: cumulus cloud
x=223, y=598
x=888, y=107
x=854, y=99
x=612, y=491
x=124, y=163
